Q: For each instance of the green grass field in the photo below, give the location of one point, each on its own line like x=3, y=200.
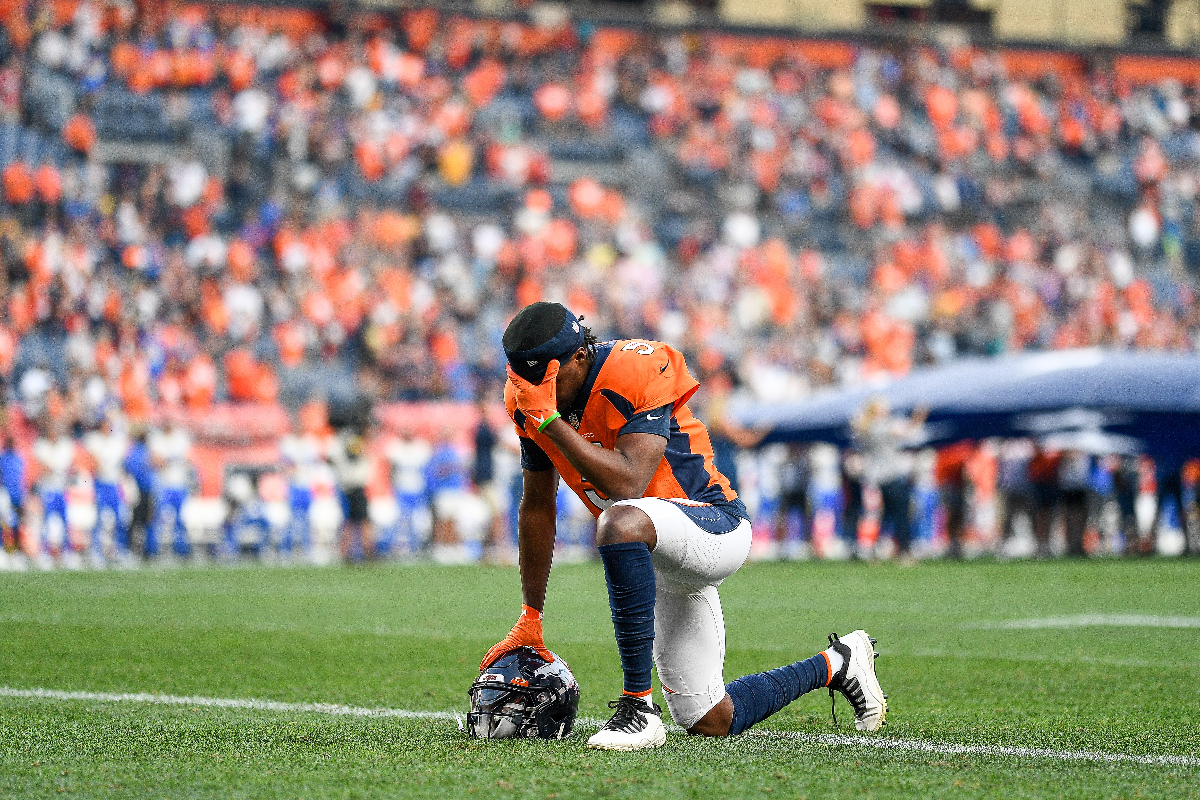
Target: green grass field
x=1127, y=683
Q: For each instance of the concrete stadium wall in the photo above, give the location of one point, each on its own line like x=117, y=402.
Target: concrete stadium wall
x=1075, y=22
x=1071, y=21
x=814, y=15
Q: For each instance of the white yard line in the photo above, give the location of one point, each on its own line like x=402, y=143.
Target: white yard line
x=826, y=739
x=224, y=702
x=949, y=749
x=1086, y=621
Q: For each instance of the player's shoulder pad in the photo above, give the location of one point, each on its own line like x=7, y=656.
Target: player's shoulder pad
x=648, y=374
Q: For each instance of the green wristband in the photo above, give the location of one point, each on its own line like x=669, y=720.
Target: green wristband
x=549, y=419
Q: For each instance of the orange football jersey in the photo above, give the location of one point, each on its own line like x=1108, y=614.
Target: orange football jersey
x=635, y=386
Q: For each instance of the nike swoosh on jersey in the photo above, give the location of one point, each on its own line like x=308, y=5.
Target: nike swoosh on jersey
x=650, y=417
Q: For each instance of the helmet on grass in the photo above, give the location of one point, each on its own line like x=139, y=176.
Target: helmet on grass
x=522, y=696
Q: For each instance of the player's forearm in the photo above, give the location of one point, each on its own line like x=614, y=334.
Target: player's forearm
x=610, y=471
x=535, y=534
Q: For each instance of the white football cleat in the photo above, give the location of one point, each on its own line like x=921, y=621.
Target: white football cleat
x=856, y=680
x=636, y=725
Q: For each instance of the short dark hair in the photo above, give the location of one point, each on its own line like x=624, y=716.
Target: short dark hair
x=589, y=339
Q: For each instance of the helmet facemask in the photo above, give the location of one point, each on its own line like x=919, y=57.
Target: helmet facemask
x=521, y=696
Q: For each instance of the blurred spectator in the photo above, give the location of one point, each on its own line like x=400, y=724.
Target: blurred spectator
x=348, y=453
x=139, y=465
x=1127, y=478
x=853, y=503
x=483, y=466
x=1043, y=474
x=447, y=481
x=54, y=455
x=1074, y=483
x=109, y=448
x=926, y=498
x=1016, y=490
x=1169, y=493
x=409, y=457
x=12, y=491
x=170, y=450
x=881, y=438
x=794, y=506
x=509, y=457
x=1190, y=513
x=484, y=474
x=728, y=437
x=304, y=453
x=951, y=471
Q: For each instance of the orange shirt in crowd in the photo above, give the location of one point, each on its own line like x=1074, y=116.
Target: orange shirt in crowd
x=48, y=183
x=18, y=183
x=1043, y=468
x=950, y=468
x=200, y=382
x=79, y=133
x=8, y=351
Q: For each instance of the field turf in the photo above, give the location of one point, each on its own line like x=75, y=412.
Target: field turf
x=1065, y=658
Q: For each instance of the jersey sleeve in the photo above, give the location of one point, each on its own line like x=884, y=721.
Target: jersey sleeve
x=655, y=420
x=533, y=457
x=645, y=376
x=675, y=385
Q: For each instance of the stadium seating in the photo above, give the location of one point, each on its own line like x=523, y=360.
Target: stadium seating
x=229, y=197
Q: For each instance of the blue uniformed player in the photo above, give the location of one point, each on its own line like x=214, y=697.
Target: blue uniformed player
x=108, y=448
x=12, y=490
x=171, y=450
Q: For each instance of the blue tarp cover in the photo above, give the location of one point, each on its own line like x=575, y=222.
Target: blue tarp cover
x=1149, y=402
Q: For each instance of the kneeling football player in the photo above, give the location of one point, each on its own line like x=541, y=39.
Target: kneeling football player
x=612, y=419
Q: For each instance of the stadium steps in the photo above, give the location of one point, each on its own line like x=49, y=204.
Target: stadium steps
x=121, y=115
x=50, y=98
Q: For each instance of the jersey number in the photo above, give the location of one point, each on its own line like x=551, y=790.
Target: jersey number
x=642, y=348
x=599, y=502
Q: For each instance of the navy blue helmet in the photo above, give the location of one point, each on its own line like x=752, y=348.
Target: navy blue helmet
x=522, y=696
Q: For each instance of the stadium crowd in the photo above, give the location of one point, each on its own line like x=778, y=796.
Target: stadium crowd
x=223, y=204
x=124, y=494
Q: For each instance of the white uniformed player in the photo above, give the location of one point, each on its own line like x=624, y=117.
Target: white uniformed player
x=54, y=454
x=304, y=454
x=409, y=456
x=171, y=449
x=108, y=446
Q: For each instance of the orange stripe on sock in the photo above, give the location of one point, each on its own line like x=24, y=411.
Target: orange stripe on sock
x=638, y=694
x=828, y=667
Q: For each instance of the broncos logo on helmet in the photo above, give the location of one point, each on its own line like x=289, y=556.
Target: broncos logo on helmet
x=521, y=696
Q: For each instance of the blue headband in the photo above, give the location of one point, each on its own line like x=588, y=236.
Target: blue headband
x=531, y=364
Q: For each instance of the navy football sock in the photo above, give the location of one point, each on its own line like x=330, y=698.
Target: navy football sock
x=758, y=696
x=630, y=578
